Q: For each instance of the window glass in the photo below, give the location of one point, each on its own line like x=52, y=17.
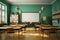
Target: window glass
x=0, y=5
x=3, y=18
x=0, y=15
x=0, y=19
x=2, y=12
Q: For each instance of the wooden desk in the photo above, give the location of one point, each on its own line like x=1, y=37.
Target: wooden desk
x=12, y=25
x=17, y=25
x=23, y=26
x=5, y=28
x=48, y=29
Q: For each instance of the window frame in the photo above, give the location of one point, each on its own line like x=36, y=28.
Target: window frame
x=2, y=10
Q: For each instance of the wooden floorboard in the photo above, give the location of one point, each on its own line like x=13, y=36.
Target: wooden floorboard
x=30, y=34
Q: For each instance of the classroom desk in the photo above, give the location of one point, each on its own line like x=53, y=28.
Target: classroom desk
x=23, y=26
x=13, y=26
x=49, y=28
x=18, y=25
x=4, y=28
x=43, y=26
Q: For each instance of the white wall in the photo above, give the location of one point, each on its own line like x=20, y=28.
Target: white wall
x=30, y=17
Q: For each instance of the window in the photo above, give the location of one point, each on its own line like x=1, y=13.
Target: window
x=2, y=12
x=0, y=15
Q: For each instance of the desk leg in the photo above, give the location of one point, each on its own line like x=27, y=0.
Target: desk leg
x=43, y=34
x=49, y=35
x=18, y=34
x=57, y=35
x=0, y=36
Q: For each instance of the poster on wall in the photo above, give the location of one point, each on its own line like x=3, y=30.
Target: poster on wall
x=55, y=21
x=14, y=18
x=44, y=18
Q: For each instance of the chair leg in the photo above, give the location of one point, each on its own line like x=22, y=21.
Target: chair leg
x=25, y=29
x=35, y=29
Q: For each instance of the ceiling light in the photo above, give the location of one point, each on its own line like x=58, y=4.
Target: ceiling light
x=42, y=8
x=40, y=12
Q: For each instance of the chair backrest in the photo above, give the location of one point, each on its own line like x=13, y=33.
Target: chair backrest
x=53, y=30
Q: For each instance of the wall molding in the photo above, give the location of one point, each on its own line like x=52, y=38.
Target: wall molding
x=31, y=3
x=53, y=1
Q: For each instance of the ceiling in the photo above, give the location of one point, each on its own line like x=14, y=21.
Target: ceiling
x=30, y=1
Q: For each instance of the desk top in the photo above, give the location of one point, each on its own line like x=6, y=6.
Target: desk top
x=48, y=28
x=17, y=26
x=10, y=27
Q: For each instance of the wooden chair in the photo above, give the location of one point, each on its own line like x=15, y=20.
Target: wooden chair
x=37, y=27
x=10, y=30
x=24, y=27
x=2, y=31
x=53, y=30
